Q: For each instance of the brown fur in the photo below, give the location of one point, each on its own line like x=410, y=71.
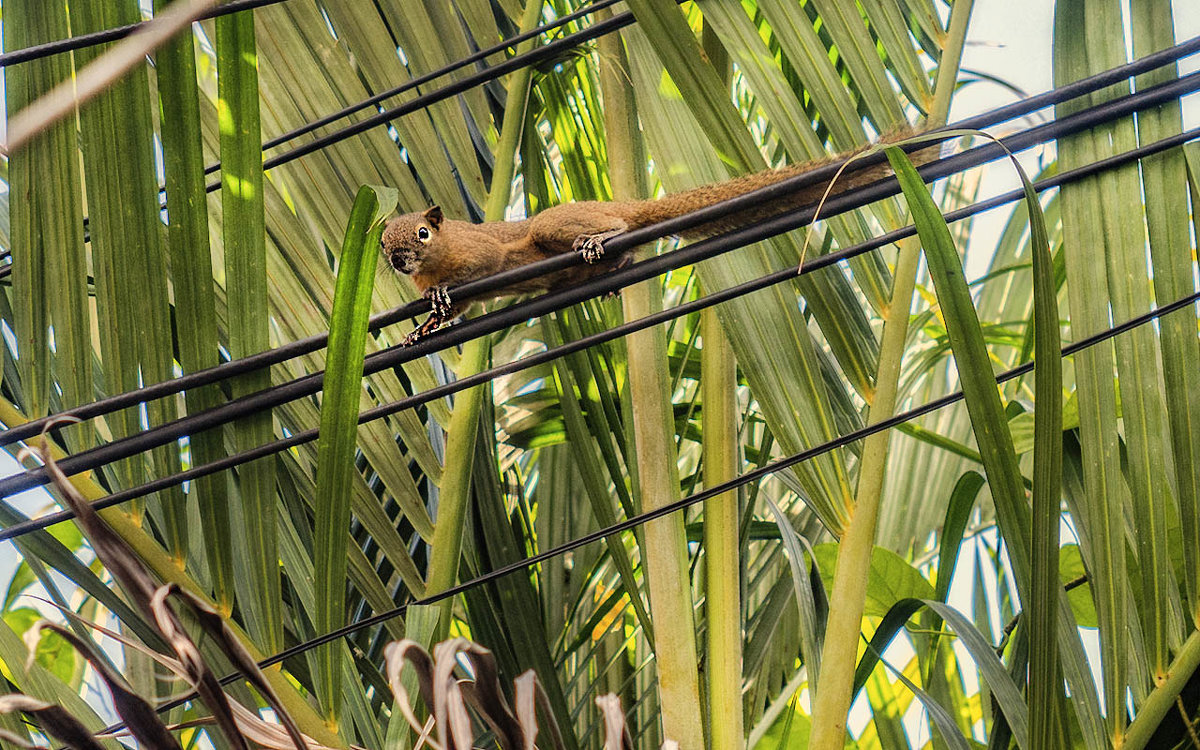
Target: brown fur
x=442, y=253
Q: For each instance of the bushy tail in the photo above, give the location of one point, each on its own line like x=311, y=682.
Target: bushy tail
x=677, y=204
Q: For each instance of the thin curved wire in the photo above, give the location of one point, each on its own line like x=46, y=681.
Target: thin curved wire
x=487, y=285
x=379, y=412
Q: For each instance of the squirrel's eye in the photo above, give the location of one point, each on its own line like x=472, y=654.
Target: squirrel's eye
x=423, y=234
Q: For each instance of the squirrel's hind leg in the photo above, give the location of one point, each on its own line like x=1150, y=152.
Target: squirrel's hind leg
x=580, y=227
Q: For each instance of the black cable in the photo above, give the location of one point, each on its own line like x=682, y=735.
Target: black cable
x=375, y=99
x=38, y=51
x=624, y=19
x=513, y=63
x=482, y=287
x=523, y=311
x=427, y=77
x=548, y=355
x=1069, y=91
x=685, y=502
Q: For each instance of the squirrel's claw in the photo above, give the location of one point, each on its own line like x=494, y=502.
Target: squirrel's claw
x=431, y=324
x=441, y=310
x=440, y=302
x=591, y=246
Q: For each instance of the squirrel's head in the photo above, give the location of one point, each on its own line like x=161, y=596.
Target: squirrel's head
x=406, y=239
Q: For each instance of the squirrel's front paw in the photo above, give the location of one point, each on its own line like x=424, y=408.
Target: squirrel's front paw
x=440, y=302
x=591, y=246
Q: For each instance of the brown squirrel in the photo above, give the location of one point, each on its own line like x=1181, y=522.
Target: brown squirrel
x=441, y=253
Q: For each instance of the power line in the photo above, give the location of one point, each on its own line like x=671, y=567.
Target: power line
x=685, y=502
x=427, y=77
x=604, y=336
x=482, y=287
x=1149, y=62
x=606, y=26
x=38, y=51
x=523, y=311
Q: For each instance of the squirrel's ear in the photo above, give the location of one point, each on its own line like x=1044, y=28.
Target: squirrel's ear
x=433, y=215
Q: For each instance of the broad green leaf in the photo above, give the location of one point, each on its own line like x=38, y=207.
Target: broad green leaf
x=339, y=422
x=38, y=682
x=54, y=654
x=192, y=282
x=890, y=578
x=46, y=226
x=244, y=239
x=1070, y=571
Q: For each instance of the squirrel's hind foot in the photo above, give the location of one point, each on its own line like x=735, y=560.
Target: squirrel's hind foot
x=431, y=324
x=591, y=246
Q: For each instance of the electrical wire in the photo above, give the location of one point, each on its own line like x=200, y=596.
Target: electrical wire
x=38, y=51
x=451, y=67
x=685, y=502
x=420, y=80
x=523, y=311
x=482, y=287
x=548, y=355
x=1149, y=62
x=619, y=21
x=516, y=62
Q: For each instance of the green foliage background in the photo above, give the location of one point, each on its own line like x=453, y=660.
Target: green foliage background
x=691, y=94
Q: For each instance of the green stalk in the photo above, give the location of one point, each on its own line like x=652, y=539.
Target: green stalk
x=665, y=551
x=722, y=560
x=1162, y=699
x=833, y=695
x=722, y=572
x=460, y=442
x=947, y=71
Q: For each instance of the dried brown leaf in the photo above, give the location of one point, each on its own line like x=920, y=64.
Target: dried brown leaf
x=139, y=716
x=616, y=732
x=53, y=720
x=396, y=655
x=140, y=587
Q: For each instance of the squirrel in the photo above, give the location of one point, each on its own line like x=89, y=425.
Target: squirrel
x=441, y=253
